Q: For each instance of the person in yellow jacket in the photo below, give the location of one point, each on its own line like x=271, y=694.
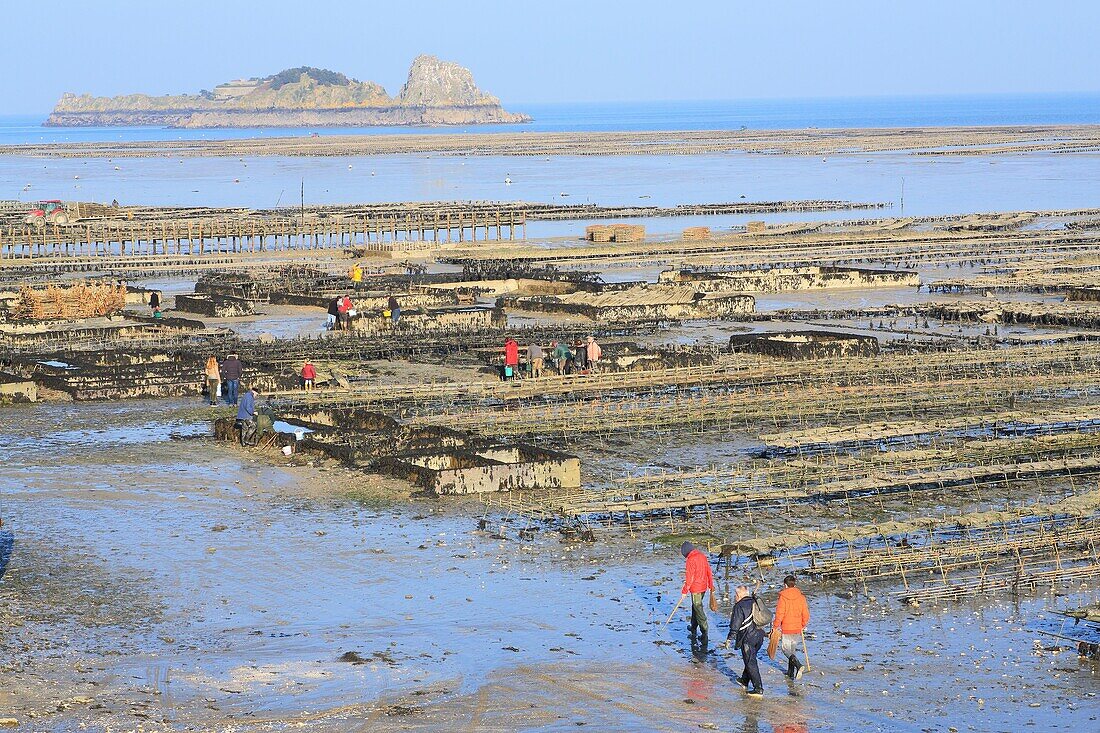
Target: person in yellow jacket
x=356, y=275
x=792, y=614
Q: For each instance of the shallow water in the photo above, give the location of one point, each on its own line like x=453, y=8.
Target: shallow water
x=933, y=186
x=206, y=589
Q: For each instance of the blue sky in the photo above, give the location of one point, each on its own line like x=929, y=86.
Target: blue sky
x=565, y=50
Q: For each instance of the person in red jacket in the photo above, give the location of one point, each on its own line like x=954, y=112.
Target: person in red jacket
x=792, y=614
x=511, y=358
x=308, y=375
x=697, y=581
x=344, y=307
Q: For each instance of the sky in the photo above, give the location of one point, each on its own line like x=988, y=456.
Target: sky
x=545, y=51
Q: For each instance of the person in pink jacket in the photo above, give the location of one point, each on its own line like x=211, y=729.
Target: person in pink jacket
x=594, y=353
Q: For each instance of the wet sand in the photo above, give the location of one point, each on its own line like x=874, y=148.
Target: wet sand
x=157, y=580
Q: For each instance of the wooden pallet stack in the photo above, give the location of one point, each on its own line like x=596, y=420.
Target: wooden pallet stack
x=628, y=233
x=82, y=300
x=599, y=233
x=697, y=233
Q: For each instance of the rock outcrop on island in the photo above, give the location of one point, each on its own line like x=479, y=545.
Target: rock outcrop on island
x=436, y=93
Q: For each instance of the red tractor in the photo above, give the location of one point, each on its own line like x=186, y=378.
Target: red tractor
x=48, y=212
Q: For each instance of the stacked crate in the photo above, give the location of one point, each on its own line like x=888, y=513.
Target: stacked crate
x=615, y=233
x=696, y=233
x=598, y=233
x=628, y=233
x=77, y=301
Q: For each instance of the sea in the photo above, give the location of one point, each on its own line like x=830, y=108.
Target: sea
x=909, y=185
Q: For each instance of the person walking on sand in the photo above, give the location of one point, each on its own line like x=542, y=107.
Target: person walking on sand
x=593, y=352
x=697, y=581
x=748, y=638
x=309, y=374
x=213, y=379
x=232, y=371
x=792, y=614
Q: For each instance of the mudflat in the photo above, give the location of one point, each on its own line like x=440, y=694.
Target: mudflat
x=952, y=141
x=157, y=580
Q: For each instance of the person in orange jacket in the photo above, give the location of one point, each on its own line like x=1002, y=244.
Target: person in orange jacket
x=792, y=614
x=697, y=581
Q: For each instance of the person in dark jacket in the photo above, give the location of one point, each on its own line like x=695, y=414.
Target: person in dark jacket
x=580, y=357
x=748, y=637
x=394, y=307
x=246, y=417
x=154, y=300
x=333, y=313
x=231, y=371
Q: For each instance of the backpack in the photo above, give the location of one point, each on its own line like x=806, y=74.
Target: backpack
x=759, y=616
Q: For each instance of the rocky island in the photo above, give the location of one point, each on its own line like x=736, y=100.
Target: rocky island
x=436, y=93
